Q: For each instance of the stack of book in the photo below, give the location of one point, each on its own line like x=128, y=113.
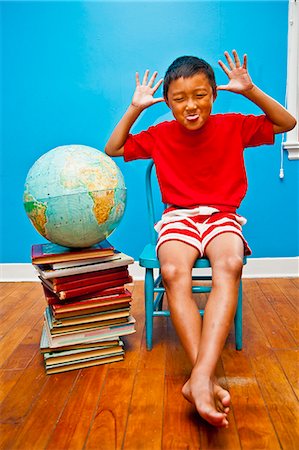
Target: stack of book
x=88, y=305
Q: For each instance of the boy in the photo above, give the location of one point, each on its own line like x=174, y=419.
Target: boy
x=200, y=168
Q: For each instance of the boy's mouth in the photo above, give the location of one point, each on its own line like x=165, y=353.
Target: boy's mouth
x=192, y=117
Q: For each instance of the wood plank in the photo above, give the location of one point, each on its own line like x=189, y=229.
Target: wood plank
x=6, y=289
x=140, y=405
x=73, y=425
x=16, y=299
x=145, y=421
x=289, y=361
x=109, y=424
x=290, y=290
x=181, y=423
x=17, y=403
x=154, y=359
x=8, y=378
x=14, y=337
x=45, y=412
x=280, y=398
x=282, y=306
x=277, y=393
x=26, y=350
x=250, y=412
x=277, y=334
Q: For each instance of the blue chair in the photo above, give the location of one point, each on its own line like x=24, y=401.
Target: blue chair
x=153, y=287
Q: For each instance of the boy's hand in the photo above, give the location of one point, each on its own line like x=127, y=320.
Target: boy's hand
x=144, y=93
x=239, y=79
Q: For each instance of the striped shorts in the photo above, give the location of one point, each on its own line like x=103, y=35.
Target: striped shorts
x=198, y=226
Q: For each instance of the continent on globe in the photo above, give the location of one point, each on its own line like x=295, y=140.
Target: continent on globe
x=75, y=195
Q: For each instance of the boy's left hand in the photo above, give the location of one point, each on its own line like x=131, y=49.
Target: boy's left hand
x=239, y=79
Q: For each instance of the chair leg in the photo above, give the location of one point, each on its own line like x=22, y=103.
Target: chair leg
x=238, y=320
x=149, y=305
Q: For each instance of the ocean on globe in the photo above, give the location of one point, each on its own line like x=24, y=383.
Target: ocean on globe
x=75, y=196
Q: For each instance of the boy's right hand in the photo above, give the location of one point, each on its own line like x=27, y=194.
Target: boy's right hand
x=144, y=93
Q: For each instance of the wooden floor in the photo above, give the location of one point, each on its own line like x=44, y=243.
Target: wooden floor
x=137, y=403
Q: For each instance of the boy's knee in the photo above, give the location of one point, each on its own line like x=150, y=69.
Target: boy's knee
x=172, y=272
x=231, y=265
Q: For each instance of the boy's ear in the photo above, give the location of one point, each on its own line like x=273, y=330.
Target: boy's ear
x=166, y=101
x=214, y=95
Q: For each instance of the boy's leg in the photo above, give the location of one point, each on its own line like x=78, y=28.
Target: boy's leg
x=225, y=253
x=177, y=259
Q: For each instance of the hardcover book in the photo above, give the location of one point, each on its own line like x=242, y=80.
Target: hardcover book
x=105, y=294
x=57, y=327
x=88, y=308
x=82, y=364
x=75, y=281
x=91, y=335
x=73, y=293
x=52, y=253
x=47, y=272
x=104, y=343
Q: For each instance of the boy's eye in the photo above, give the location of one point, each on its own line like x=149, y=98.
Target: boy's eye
x=200, y=95
x=178, y=99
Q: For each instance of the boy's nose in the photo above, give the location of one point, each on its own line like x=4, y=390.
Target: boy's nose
x=190, y=104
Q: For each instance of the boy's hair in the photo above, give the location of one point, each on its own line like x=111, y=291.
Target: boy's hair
x=188, y=66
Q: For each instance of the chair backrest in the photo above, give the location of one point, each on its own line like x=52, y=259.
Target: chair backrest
x=150, y=201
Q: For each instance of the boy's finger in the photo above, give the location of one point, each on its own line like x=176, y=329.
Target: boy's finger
x=145, y=77
x=223, y=67
x=237, y=60
x=222, y=87
x=137, y=79
x=159, y=99
x=157, y=85
x=245, y=61
x=152, y=79
x=229, y=60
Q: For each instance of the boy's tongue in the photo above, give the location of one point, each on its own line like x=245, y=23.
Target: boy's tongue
x=192, y=117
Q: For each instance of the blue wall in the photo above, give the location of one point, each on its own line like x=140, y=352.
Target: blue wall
x=68, y=75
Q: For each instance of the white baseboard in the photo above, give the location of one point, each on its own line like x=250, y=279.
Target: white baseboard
x=255, y=268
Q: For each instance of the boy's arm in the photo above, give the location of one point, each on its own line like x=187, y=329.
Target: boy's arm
x=143, y=98
x=240, y=82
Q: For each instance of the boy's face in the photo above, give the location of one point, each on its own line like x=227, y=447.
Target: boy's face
x=191, y=100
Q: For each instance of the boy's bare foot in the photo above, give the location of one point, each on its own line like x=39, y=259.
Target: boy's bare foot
x=211, y=400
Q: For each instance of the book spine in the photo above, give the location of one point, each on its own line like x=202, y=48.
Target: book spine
x=63, y=295
x=62, y=284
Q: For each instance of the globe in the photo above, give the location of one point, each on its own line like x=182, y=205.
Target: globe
x=75, y=196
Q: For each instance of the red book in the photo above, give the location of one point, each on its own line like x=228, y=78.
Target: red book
x=60, y=284
x=52, y=253
x=105, y=294
x=89, y=307
x=66, y=294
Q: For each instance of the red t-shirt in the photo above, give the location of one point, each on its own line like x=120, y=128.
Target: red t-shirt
x=202, y=167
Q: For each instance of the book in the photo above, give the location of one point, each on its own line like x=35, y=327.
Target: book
x=53, y=299
x=83, y=262
x=52, y=253
x=105, y=294
x=90, y=335
x=88, y=323
x=104, y=343
x=47, y=272
x=83, y=319
x=82, y=308
x=79, y=280
x=82, y=364
x=73, y=293
x=61, y=357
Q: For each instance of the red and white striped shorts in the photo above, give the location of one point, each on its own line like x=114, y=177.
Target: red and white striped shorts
x=198, y=226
